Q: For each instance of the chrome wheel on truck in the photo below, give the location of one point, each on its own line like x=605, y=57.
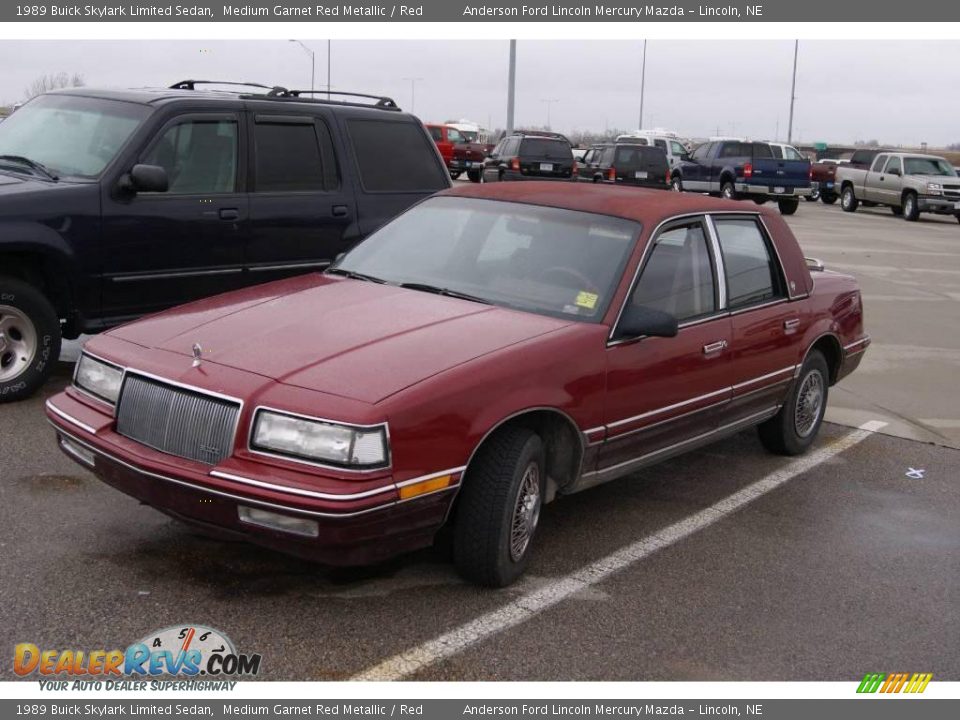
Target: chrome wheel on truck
x=29, y=339
x=18, y=343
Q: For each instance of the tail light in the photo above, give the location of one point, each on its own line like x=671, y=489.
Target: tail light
x=667, y=179
x=810, y=173
x=515, y=164
x=612, y=174
x=576, y=168
x=748, y=170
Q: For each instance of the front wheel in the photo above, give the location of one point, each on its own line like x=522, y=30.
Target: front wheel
x=848, y=200
x=897, y=211
x=788, y=207
x=793, y=429
x=828, y=198
x=813, y=196
x=911, y=210
x=29, y=339
x=676, y=184
x=474, y=175
x=500, y=508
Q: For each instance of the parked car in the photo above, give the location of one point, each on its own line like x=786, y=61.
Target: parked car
x=907, y=183
x=489, y=350
x=458, y=152
x=625, y=164
x=737, y=169
x=672, y=144
x=115, y=204
x=530, y=156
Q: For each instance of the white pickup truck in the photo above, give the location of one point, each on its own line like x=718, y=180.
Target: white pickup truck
x=907, y=183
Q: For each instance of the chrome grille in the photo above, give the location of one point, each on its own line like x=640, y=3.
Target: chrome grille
x=177, y=421
x=952, y=191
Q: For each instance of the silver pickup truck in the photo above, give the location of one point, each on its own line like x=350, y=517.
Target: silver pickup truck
x=907, y=183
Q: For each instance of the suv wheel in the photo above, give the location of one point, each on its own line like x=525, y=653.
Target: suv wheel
x=792, y=430
x=911, y=211
x=788, y=207
x=728, y=191
x=676, y=184
x=848, y=200
x=500, y=508
x=29, y=339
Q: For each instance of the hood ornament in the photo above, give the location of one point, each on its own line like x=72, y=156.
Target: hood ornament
x=197, y=355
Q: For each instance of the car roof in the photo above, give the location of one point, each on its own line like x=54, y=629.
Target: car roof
x=646, y=206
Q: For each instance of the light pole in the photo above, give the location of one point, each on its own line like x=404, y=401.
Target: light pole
x=549, y=102
x=313, y=65
x=643, y=81
x=413, y=92
x=511, y=85
x=793, y=91
x=328, y=69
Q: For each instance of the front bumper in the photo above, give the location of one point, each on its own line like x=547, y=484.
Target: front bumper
x=770, y=191
x=362, y=523
x=940, y=205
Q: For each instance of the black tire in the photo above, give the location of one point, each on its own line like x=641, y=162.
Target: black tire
x=788, y=207
x=848, y=200
x=728, y=190
x=828, y=198
x=911, y=211
x=957, y=217
x=780, y=434
x=813, y=196
x=760, y=200
x=473, y=175
x=898, y=211
x=29, y=339
x=488, y=506
x=454, y=175
x=676, y=183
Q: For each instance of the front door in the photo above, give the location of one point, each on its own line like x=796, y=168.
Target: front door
x=664, y=392
x=873, y=185
x=163, y=249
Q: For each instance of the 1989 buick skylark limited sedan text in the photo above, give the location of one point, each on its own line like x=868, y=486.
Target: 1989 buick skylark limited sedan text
x=491, y=348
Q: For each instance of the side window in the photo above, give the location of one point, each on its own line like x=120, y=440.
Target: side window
x=395, y=156
x=677, y=148
x=879, y=163
x=893, y=164
x=777, y=151
x=700, y=152
x=607, y=157
x=588, y=157
x=733, y=149
x=791, y=153
x=455, y=136
x=288, y=157
x=678, y=276
x=498, y=149
x=436, y=133
x=200, y=156
x=752, y=272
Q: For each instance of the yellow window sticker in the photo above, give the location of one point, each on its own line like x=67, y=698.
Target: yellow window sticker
x=586, y=299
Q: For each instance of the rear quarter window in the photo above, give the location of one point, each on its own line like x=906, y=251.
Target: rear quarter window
x=395, y=156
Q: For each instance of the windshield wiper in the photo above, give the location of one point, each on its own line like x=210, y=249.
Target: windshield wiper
x=444, y=291
x=32, y=164
x=355, y=275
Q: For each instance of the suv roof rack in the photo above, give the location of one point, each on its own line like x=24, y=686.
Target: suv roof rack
x=192, y=84
x=382, y=101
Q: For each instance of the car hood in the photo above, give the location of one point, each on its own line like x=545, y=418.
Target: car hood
x=344, y=337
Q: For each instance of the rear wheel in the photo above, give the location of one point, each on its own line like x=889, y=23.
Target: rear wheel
x=500, y=508
x=29, y=339
x=957, y=217
x=788, y=207
x=454, y=175
x=760, y=200
x=793, y=429
x=728, y=191
x=911, y=210
x=813, y=196
x=848, y=200
x=474, y=175
x=898, y=211
x=828, y=198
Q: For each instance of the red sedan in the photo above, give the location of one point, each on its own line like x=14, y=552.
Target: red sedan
x=491, y=348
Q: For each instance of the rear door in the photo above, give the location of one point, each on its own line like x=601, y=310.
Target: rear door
x=301, y=213
x=891, y=181
x=696, y=173
x=640, y=165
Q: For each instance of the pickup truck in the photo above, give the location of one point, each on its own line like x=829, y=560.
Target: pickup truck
x=823, y=176
x=737, y=169
x=907, y=183
x=459, y=153
x=119, y=203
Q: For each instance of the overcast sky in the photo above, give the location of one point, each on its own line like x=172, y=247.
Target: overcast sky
x=893, y=91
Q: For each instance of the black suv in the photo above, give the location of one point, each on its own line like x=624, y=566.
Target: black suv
x=114, y=204
x=530, y=156
x=626, y=164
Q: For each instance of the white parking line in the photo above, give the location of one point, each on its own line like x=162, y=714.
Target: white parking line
x=530, y=605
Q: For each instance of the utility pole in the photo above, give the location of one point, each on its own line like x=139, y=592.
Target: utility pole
x=313, y=65
x=511, y=85
x=413, y=92
x=643, y=82
x=549, y=102
x=793, y=90
x=328, y=69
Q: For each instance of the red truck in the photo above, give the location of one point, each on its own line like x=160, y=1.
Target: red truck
x=459, y=153
x=489, y=350
x=823, y=177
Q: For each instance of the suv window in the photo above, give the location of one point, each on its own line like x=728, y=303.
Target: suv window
x=662, y=144
x=751, y=271
x=678, y=277
x=200, y=156
x=510, y=146
x=289, y=158
x=391, y=156
x=546, y=148
x=607, y=157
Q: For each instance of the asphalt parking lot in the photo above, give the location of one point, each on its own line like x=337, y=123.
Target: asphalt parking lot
x=725, y=564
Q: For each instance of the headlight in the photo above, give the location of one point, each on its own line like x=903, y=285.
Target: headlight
x=98, y=378
x=320, y=441
x=934, y=188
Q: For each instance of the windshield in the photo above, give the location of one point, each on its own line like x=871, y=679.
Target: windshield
x=927, y=166
x=544, y=148
x=544, y=260
x=72, y=136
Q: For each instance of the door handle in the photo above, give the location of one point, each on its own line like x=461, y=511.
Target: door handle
x=714, y=347
x=229, y=214
x=790, y=326
x=339, y=210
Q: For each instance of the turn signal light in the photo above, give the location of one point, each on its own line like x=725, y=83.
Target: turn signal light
x=425, y=486
x=612, y=174
x=515, y=164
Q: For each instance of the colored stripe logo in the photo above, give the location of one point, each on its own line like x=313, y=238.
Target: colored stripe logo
x=895, y=683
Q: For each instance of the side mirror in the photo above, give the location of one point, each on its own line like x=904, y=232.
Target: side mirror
x=638, y=320
x=145, y=178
